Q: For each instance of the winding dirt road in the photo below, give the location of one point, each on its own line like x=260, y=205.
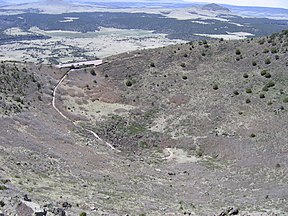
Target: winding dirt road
x=66, y=117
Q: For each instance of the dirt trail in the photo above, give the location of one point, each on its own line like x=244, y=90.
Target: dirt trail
x=67, y=118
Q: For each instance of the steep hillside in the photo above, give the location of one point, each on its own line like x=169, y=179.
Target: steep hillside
x=198, y=128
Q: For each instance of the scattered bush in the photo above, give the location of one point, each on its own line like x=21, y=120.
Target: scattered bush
x=245, y=75
x=83, y=214
x=3, y=187
x=152, y=64
x=254, y=63
x=266, y=50
x=248, y=100
x=236, y=92
x=184, y=77
x=183, y=65
x=252, y=135
x=265, y=88
x=274, y=50
x=238, y=52
x=261, y=42
x=269, y=103
x=267, y=75
x=2, y=204
x=263, y=72
x=215, y=87
x=270, y=84
x=276, y=57
x=267, y=61
x=185, y=55
x=129, y=83
x=249, y=90
x=262, y=95
x=92, y=72
x=285, y=100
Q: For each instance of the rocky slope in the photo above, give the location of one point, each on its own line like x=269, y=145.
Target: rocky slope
x=201, y=127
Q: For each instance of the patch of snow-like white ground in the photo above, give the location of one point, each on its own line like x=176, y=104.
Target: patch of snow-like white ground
x=103, y=43
x=228, y=36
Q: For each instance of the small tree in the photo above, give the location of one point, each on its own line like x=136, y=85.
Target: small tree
x=92, y=72
x=267, y=61
x=129, y=83
x=238, y=52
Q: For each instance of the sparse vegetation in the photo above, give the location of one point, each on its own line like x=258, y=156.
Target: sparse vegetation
x=268, y=61
x=3, y=187
x=252, y=135
x=238, y=52
x=215, y=87
x=183, y=65
x=249, y=90
x=93, y=73
x=129, y=83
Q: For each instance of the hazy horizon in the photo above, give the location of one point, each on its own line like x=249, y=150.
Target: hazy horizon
x=255, y=3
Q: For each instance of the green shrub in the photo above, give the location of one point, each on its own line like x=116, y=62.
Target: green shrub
x=83, y=214
x=2, y=204
x=236, y=92
x=261, y=42
x=274, y=50
x=215, y=87
x=265, y=88
x=129, y=83
x=262, y=95
x=266, y=51
x=285, y=100
x=245, y=75
x=277, y=57
x=249, y=90
x=92, y=72
x=267, y=75
x=263, y=72
x=267, y=61
x=270, y=84
x=3, y=187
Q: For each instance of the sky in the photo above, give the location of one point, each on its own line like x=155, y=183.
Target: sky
x=265, y=3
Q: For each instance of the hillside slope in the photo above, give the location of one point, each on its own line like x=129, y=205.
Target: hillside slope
x=200, y=127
